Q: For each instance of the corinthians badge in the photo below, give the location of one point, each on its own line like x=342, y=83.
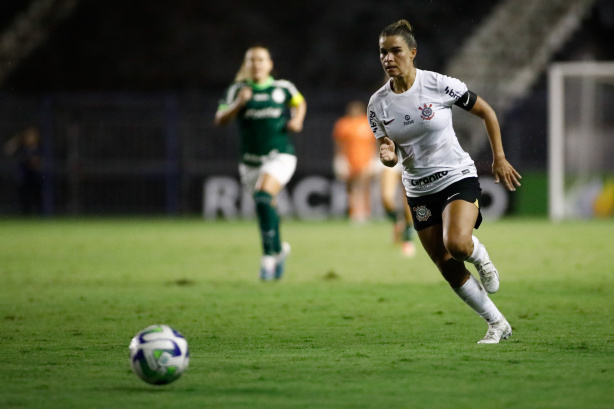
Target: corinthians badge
x=422, y=213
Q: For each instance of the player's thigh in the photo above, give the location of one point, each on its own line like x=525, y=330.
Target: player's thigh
x=458, y=220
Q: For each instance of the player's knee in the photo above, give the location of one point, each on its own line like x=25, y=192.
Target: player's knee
x=459, y=249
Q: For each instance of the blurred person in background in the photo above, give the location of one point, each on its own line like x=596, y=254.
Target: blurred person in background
x=267, y=110
x=25, y=147
x=353, y=159
x=397, y=211
x=411, y=117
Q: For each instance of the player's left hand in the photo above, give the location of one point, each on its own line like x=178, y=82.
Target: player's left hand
x=504, y=172
x=294, y=125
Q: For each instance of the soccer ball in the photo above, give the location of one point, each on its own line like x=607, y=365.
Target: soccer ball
x=159, y=354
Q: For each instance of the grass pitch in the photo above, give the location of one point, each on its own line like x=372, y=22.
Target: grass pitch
x=352, y=325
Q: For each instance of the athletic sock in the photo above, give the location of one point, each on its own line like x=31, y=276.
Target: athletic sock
x=268, y=221
x=478, y=251
x=474, y=296
x=391, y=215
x=408, y=232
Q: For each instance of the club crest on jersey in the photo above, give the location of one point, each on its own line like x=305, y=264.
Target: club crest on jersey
x=422, y=213
x=278, y=95
x=427, y=112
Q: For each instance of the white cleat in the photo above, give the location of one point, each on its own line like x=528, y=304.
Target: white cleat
x=496, y=332
x=267, y=267
x=489, y=276
x=280, y=260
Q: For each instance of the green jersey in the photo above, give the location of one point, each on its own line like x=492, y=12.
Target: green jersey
x=262, y=121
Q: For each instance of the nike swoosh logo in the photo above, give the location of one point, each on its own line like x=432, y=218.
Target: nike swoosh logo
x=450, y=197
x=388, y=122
x=468, y=96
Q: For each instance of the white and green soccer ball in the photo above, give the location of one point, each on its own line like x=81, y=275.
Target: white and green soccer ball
x=159, y=354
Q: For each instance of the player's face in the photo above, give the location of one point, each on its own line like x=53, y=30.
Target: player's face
x=396, y=57
x=259, y=64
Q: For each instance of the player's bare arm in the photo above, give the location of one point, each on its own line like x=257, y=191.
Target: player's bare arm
x=502, y=170
x=387, y=151
x=295, y=124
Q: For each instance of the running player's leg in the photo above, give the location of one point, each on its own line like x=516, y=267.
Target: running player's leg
x=267, y=189
x=463, y=283
x=389, y=182
x=407, y=236
x=459, y=217
x=361, y=196
x=275, y=174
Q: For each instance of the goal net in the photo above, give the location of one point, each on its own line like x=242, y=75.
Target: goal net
x=581, y=140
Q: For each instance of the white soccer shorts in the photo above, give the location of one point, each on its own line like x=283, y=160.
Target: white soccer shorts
x=281, y=166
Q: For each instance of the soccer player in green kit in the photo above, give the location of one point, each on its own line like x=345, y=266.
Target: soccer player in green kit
x=266, y=110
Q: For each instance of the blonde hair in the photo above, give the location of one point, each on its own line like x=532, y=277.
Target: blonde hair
x=243, y=74
x=403, y=29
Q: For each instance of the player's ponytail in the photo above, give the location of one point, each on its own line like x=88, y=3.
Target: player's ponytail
x=403, y=29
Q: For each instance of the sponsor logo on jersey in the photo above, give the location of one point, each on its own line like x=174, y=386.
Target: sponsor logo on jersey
x=263, y=113
x=422, y=213
x=278, y=95
x=372, y=123
x=261, y=97
x=427, y=112
x=452, y=93
x=428, y=179
x=408, y=120
x=388, y=122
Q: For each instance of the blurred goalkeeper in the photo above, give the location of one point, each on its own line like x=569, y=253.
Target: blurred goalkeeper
x=267, y=110
x=412, y=115
x=353, y=161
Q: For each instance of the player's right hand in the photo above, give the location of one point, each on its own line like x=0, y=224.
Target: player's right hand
x=244, y=95
x=387, y=152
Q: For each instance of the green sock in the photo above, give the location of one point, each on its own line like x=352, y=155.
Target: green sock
x=408, y=232
x=391, y=215
x=268, y=221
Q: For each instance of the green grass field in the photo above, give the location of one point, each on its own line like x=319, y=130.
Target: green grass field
x=352, y=325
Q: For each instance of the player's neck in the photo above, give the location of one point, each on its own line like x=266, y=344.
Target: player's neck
x=403, y=82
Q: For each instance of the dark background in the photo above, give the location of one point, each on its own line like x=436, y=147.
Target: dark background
x=169, y=61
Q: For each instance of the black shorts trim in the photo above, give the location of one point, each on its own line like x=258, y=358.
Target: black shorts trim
x=426, y=210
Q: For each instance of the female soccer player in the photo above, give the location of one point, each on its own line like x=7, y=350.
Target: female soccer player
x=412, y=115
x=266, y=110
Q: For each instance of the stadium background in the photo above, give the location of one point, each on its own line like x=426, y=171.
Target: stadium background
x=125, y=92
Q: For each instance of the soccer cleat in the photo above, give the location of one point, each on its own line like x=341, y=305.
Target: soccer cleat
x=496, y=332
x=408, y=249
x=280, y=260
x=267, y=267
x=489, y=276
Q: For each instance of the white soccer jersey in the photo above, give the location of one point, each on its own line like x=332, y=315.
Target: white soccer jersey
x=419, y=121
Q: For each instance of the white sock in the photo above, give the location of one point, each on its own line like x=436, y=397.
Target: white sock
x=268, y=264
x=474, y=296
x=478, y=251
